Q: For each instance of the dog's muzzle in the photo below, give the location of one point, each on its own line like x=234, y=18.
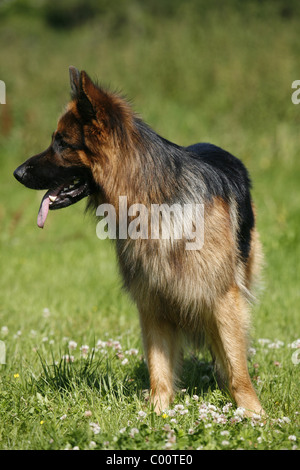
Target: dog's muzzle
x=20, y=173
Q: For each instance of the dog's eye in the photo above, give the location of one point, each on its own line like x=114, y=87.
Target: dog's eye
x=60, y=143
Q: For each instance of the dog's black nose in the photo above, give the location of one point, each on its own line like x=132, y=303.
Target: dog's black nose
x=20, y=172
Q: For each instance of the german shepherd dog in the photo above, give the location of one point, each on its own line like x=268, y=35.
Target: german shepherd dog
x=101, y=149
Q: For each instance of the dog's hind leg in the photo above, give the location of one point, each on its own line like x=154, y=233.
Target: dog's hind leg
x=227, y=334
x=162, y=344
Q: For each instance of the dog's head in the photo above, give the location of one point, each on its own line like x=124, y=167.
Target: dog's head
x=93, y=126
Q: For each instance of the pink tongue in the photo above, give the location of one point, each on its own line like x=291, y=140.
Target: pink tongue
x=44, y=207
x=43, y=211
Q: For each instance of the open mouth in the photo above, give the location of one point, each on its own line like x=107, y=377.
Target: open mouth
x=63, y=196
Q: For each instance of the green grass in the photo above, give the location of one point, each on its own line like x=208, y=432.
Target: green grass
x=192, y=78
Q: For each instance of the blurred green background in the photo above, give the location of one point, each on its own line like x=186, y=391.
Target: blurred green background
x=217, y=71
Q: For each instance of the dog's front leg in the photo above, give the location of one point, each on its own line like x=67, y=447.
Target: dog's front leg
x=163, y=352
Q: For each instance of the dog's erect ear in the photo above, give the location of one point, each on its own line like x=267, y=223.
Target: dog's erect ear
x=77, y=82
x=94, y=102
x=74, y=80
x=91, y=91
x=92, y=98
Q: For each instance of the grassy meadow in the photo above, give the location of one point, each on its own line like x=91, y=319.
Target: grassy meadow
x=74, y=375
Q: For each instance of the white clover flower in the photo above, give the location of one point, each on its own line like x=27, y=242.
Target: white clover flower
x=203, y=416
x=225, y=443
x=46, y=313
x=220, y=419
x=167, y=428
x=224, y=433
x=235, y=419
x=292, y=438
x=84, y=349
x=125, y=361
x=171, y=438
x=133, y=432
x=264, y=341
x=95, y=428
x=178, y=407
x=275, y=345
x=211, y=407
x=295, y=344
x=101, y=344
x=132, y=352
x=116, y=345
x=240, y=412
x=68, y=358
x=226, y=408
x=142, y=414
x=203, y=407
x=256, y=417
x=4, y=330
x=285, y=419
x=72, y=345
